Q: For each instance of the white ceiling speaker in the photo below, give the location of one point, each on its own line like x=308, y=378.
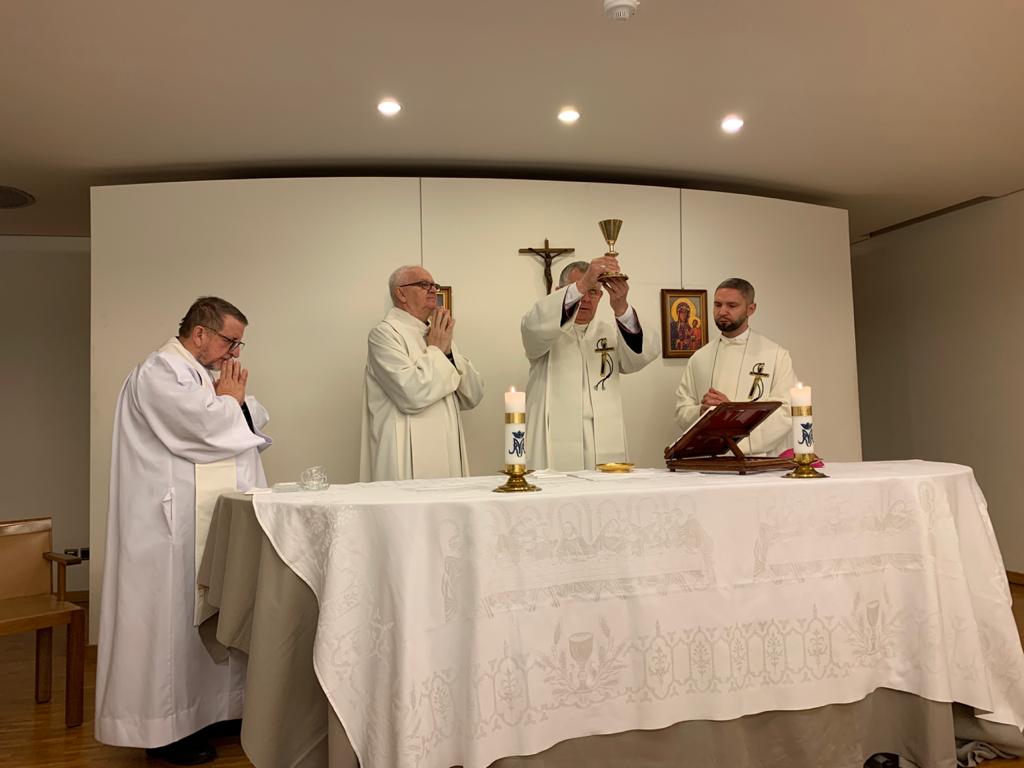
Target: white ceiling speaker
x=620, y=10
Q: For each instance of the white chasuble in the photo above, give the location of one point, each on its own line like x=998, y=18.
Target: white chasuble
x=412, y=403
x=155, y=680
x=573, y=396
x=730, y=365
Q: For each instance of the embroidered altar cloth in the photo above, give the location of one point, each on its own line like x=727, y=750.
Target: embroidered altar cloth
x=458, y=625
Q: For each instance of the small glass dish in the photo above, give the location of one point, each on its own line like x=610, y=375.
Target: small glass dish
x=313, y=479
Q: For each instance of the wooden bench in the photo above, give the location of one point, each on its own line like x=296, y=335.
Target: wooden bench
x=28, y=603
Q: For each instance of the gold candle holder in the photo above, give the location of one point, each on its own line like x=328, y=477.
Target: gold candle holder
x=516, y=482
x=517, y=473
x=804, y=469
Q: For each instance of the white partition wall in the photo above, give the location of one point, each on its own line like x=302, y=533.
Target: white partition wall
x=308, y=259
x=472, y=232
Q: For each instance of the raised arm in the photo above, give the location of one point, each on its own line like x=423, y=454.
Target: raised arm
x=546, y=321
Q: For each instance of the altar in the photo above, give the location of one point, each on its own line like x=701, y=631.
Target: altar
x=455, y=626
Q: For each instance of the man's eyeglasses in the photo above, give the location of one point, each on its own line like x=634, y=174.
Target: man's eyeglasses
x=234, y=343
x=426, y=285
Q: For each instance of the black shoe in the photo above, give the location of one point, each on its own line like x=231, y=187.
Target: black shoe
x=223, y=729
x=192, y=750
x=883, y=760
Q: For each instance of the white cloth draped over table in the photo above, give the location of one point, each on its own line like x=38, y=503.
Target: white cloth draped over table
x=457, y=626
x=569, y=424
x=726, y=364
x=412, y=403
x=155, y=680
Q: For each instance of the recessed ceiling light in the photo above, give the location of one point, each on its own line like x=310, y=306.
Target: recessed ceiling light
x=732, y=123
x=12, y=197
x=568, y=115
x=389, y=107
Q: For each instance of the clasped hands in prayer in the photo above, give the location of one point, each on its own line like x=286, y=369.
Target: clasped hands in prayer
x=618, y=288
x=233, y=378
x=441, y=327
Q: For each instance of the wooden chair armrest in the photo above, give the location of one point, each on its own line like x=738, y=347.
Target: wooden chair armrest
x=62, y=561
x=53, y=557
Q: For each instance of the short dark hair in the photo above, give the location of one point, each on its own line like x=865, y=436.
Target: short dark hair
x=741, y=285
x=209, y=311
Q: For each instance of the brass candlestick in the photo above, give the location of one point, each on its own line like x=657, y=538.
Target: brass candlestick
x=516, y=482
x=517, y=473
x=610, y=229
x=805, y=467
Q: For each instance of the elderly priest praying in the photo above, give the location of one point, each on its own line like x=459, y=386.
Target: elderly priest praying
x=184, y=432
x=417, y=385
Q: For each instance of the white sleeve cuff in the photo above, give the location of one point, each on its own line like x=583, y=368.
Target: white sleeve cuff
x=629, y=320
x=572, y=295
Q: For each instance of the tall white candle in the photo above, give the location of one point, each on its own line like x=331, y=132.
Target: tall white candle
x=515, y=428
x=515, y=402
x=803, y=419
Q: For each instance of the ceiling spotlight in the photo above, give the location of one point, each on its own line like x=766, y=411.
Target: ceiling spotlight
x=389, y=107
x=620, y=10
x=732, y=123
x=568, y=115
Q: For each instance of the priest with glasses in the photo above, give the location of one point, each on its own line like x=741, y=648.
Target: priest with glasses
x=185, y=431
x=417, y=384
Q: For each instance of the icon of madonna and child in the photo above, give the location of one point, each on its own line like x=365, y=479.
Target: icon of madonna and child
x=686, y=332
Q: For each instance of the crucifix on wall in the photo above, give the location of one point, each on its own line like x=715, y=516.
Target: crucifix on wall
x=547, y=255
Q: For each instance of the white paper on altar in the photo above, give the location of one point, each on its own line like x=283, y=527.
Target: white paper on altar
x=457, y=630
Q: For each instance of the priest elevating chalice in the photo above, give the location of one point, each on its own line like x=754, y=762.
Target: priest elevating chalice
x=610, y=229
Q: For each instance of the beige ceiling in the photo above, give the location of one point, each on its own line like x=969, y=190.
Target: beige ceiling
x=889, y=108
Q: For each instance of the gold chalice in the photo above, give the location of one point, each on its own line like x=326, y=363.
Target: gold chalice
x=610, y=229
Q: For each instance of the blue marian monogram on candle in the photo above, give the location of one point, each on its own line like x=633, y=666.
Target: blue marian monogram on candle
x=518, y=444
x=806, y=433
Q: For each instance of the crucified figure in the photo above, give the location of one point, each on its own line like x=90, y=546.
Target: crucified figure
x=547, y=254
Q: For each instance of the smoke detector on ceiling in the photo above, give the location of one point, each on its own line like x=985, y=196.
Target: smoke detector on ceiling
x=620, y=10
x=15, y=198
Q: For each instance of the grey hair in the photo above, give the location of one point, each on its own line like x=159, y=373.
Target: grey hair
x=563, y=278
x=396, y=279
x=741, y=285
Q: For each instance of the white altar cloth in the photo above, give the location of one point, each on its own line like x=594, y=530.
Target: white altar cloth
x=458, y=625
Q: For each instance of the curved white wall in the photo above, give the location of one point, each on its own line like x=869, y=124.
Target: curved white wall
x=308, y=259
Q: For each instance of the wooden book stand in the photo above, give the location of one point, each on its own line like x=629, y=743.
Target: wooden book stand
x=719, y=431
